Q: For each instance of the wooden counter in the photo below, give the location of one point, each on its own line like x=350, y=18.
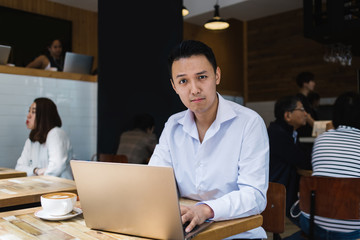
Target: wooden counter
x=11, y=173
x=24, y=225
x=49, y=74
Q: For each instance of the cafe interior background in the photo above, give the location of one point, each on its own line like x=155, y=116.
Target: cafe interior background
x=267, y=44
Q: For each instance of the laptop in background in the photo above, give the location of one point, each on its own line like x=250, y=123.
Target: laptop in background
x=4, y=54
x=77, y=63
x=319, y=127
x=132, y=199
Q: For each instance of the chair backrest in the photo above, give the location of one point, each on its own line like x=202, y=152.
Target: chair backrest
x=337, y=198
x=112, y=158
x=274, y=213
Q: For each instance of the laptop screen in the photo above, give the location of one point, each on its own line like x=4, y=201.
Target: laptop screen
x=78, y=63
x=132, y=199
x=4, y=54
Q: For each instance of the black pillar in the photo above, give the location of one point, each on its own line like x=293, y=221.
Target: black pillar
x=135, y=38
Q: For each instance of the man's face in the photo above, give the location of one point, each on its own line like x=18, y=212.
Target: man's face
x=297, y=117
x=194, y=80
x=310, y=85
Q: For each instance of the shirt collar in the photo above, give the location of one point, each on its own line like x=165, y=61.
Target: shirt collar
x=223, y=114
x=295, y=133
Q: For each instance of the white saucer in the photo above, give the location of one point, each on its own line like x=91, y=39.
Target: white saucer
x=43, y=215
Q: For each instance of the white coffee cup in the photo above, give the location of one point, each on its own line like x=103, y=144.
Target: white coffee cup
x=53, y=69
x=60, y=203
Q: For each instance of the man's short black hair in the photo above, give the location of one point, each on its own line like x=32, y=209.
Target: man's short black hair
x=190, y=48
x=347, y=110
x=285, y=104
x=304, y=77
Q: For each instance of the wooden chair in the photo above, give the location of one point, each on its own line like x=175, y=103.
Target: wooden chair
x=274, y=213
x=112, y=158
x=330, y=197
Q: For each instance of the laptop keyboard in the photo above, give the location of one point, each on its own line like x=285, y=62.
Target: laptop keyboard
x=186, y=224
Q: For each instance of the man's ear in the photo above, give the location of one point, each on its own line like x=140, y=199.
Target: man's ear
x=218, y=75
x=287, y=116
x=173, y=85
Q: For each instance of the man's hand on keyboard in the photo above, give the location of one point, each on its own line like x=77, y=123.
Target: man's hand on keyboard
x=196, y=215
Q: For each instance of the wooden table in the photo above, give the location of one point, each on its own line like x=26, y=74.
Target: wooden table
x=25, y=190
x=11, y=173
x=304, y=172
x=223, y=229
x=24, y=225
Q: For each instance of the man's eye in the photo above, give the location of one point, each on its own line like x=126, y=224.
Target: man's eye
x=182, y=81
x=202, y=77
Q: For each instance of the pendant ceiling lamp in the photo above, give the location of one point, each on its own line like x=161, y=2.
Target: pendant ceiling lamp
x=185, y=11
x=216, y=23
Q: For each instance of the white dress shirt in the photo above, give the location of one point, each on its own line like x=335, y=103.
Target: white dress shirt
x=54, y=155
x=229, y=170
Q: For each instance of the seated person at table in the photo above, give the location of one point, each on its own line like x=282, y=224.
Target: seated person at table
x=336, y=153
x=286, y=154
x=47, y=151
x=53, y=58
x=138, y=144
x=218, y=149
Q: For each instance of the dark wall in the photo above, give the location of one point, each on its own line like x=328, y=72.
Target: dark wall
x=278, y=51
x=135, y=38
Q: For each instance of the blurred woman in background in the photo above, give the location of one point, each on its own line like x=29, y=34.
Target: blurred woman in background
x=50, y=60
x=47, y=151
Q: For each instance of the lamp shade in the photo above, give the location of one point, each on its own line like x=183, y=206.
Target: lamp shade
x=185, y=11
x=216, y=23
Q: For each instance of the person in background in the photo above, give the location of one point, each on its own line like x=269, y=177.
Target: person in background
x=286, y=154
x=47, y=151
x=336, y=153
x=138, y=144
x=306, y=84
x=218, y=149
x=53, y=58
x=314, y=101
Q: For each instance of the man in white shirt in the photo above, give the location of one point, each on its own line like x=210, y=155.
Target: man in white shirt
x=218, y=149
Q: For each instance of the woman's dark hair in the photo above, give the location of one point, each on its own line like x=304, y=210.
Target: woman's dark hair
x=347, y=110
x=285, y=104
x=49, y=44
x=189, y=48
x=47, y=117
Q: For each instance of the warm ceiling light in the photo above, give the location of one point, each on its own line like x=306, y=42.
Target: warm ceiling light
x=184, y=11
x=216, y=23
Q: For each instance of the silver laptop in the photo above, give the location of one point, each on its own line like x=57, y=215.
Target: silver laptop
x=132, y=199
x=4, y=54
x=77, y=63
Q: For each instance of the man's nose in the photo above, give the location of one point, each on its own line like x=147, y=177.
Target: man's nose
x=195, y=88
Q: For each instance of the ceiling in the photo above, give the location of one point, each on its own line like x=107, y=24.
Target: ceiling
x=90, y=5
x=244, y=10
x=203, y=10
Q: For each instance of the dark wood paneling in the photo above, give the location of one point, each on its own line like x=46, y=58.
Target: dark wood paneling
x=278, y=51
x=228, y=49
